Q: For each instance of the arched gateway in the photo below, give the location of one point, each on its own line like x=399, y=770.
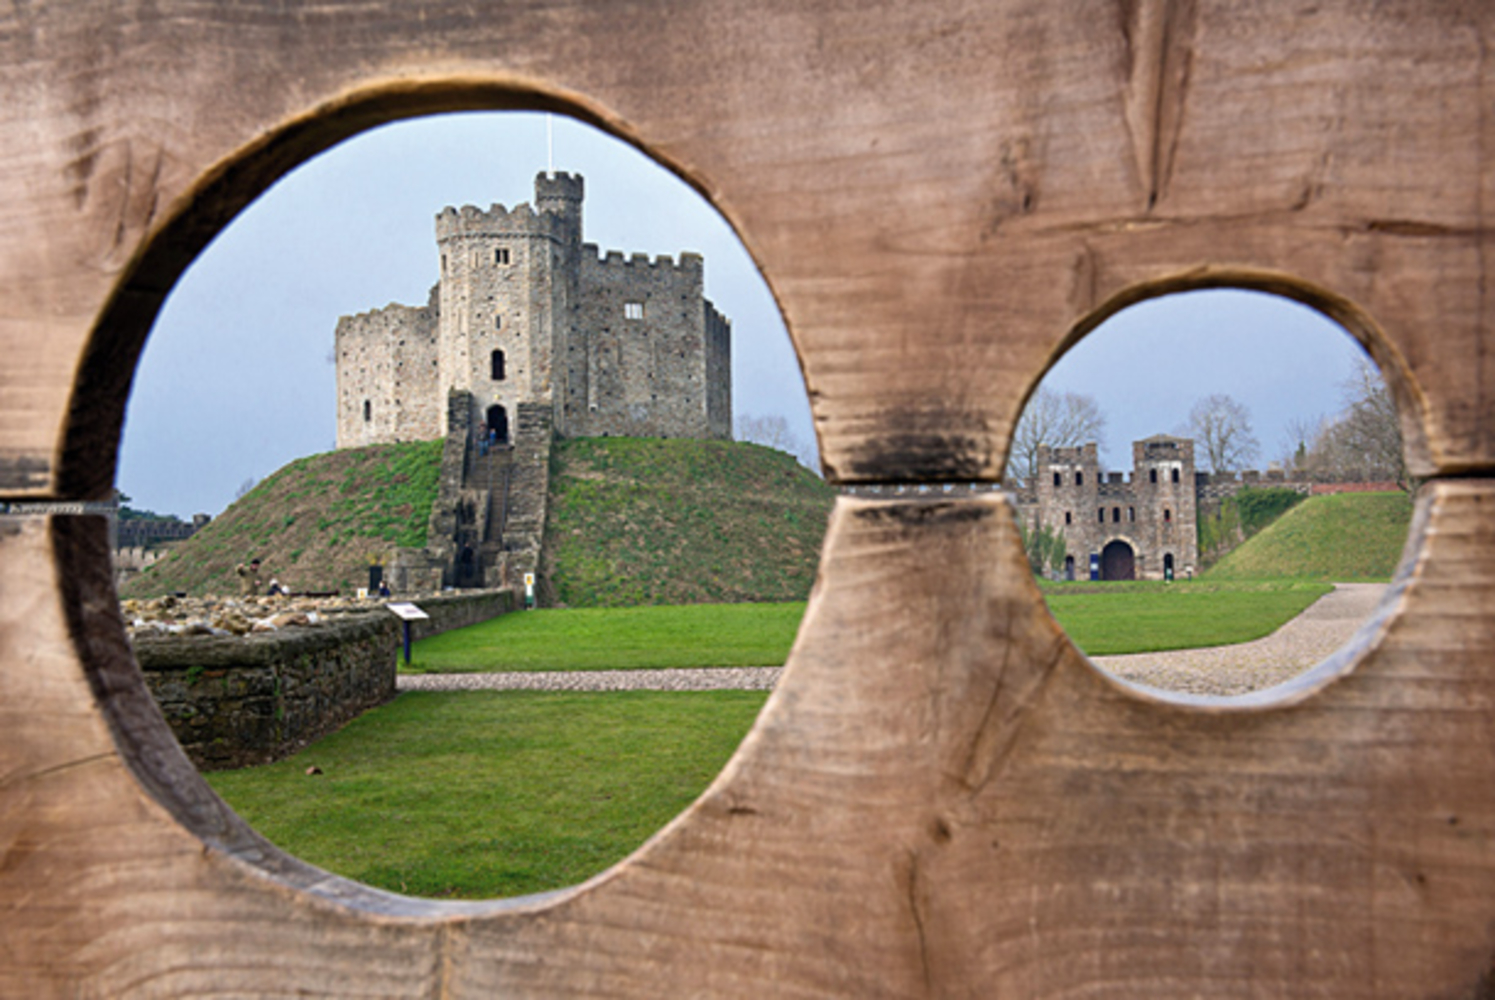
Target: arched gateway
x=1117, y=562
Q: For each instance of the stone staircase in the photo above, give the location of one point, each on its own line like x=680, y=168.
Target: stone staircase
x=488, y=521
x=481, y=514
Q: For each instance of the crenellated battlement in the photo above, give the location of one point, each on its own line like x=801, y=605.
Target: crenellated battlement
x=525, y=314
x=521, y=220
x=689, y=262
x=394, y=310
x=559, y=185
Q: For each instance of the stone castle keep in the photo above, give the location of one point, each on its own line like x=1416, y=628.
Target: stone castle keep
x=526, y=313
x=529, y=333
x=1142, y=528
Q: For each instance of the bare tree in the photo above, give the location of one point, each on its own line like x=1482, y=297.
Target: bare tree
x=1222, y=427
x=244, y=487
x=1059, y=420
x=772, y=430
x=1364, y=440
x=1297, y=438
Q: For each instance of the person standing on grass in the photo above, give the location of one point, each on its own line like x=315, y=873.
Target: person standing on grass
x=249, y=578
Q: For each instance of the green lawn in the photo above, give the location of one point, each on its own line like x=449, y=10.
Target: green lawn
x=686, y=635
x=485, y=794
x=1103, y=619
x=1109, y=618
x=481, y=794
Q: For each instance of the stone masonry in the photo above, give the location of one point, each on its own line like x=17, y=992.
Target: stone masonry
x=526, y=313
x=1144, y=527
x=1140, y=526
x=529, y=333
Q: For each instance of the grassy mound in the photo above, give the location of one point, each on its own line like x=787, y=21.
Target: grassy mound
x=315, y=524
x=1345, y=537
x=649, y=521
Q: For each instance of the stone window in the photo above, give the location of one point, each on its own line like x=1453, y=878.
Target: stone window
x=1056, y=479
x=1101, y=515
x=633, y=310
x=1167, y=515
x=498, y=322
x=497, y=363
x=368, y=411
x=1152, y=474
x=501, y=255
x=1115, y=515
x=1175, y=475
x=443, y=263
x=1067, y=519
x=1131, y=514
x=1079, y=479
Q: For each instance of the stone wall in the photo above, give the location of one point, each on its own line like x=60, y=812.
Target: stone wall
x=528, y=497
x=647, y=332
x=461, y=609
x=499, y=270
x=525, y=313
x=1152, y=512
x=718, y=373
x=440, y=552
x=235, y=701
x=387, y=389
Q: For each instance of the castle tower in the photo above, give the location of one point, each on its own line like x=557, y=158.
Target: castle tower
x=560, y=194
x=506, y=285
x=525, y=314
x=1163, y=481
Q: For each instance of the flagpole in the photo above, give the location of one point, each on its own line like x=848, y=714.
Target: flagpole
x=549, y=144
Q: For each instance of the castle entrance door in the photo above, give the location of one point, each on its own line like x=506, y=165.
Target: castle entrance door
x=1117, y=562
x=498, y=423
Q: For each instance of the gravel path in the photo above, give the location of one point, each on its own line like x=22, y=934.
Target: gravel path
x=1249, y=666
x=1218, y=670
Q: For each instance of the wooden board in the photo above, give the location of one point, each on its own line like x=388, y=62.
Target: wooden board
x=942, y=798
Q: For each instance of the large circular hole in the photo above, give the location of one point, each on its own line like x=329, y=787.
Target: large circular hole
x=1212, y=490
x=537, y=398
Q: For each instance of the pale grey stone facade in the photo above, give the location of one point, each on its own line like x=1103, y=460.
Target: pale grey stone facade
x=525, y=313
x=1138, y=527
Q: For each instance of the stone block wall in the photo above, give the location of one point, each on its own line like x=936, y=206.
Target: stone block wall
x=459, y=610
x=387, y=387
x=718, y=373
x=499, y=274
x=646, y=349
x=235, y=701
x=524, y=527
x=1152, y=512
x=524, y=312
x=441, y=529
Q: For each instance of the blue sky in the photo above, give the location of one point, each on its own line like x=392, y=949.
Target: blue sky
x=1148, y=364
x=236, y=379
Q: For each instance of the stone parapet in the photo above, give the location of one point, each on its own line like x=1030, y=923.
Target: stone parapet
x=233, y=701
x=461, y=609
x=236, y=701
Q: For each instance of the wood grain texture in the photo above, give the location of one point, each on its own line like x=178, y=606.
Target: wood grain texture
x=942, y=798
